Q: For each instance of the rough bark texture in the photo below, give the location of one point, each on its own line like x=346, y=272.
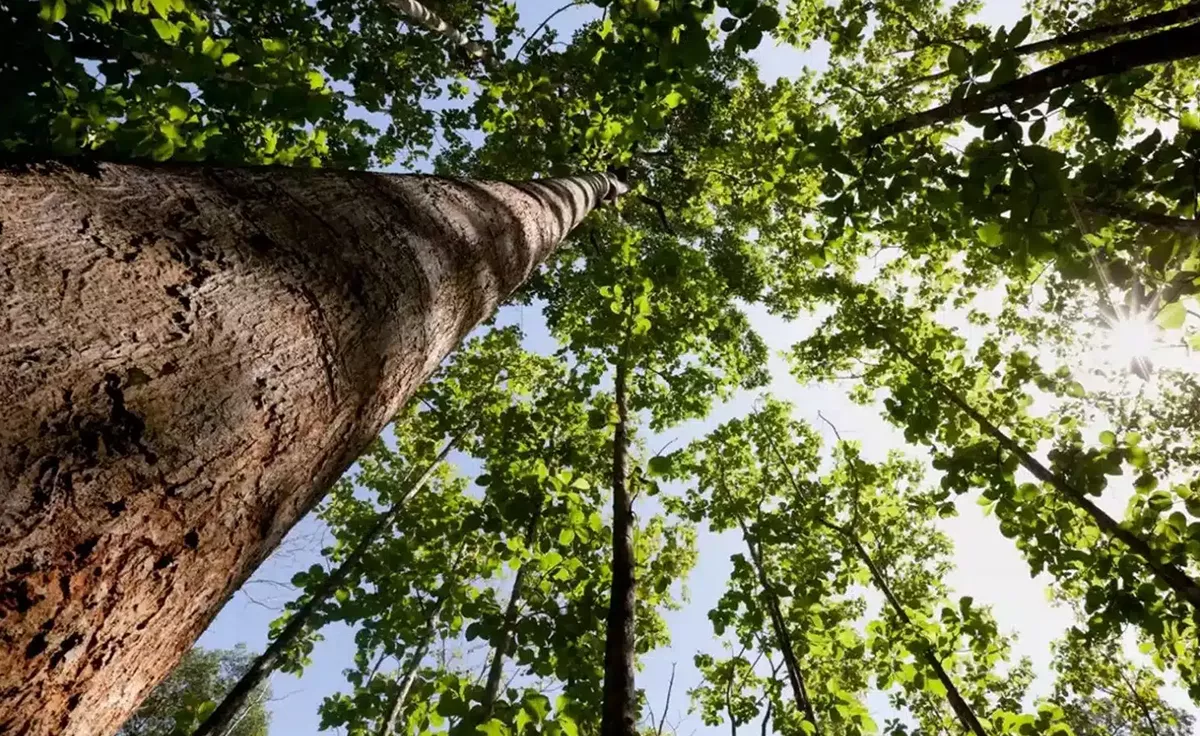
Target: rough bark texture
x=1156, y=48
x=189, y=357
x=221, y=719
x=619, y=715
x=417, y=13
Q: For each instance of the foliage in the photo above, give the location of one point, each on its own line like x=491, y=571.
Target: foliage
x=180, y=702
x=971, y=216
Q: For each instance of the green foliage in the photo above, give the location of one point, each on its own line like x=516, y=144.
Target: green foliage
x=185, y=698
x=961, y=265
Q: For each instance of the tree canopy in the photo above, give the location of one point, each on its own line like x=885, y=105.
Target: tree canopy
x=985, y=234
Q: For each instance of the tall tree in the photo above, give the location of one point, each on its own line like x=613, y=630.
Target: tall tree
x=271, y=323
x=194, y=687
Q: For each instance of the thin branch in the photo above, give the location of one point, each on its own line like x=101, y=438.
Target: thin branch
x=662, y=213
x=667, y=704
x=536, y=31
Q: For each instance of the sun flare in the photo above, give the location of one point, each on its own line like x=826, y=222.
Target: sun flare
x=1130, y=343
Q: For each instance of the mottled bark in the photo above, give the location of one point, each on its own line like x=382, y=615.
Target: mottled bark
x=189, y=357
x=220, y=720
x=619, y=714
x=417, y=13
x=1156, y=48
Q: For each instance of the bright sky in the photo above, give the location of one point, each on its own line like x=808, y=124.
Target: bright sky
x=988, y=566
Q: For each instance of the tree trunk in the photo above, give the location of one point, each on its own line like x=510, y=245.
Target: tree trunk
x=388, y=727
x=500, y=650
x=1154, y=21
x=961, y=708
x=619, y=716
x=783, y=637
x=218, y=722
x=1170, y=574
x=417, y=13
x=189, y=358
x=1157, y=48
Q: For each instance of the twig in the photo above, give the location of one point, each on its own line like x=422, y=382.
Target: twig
x=536, y=31
x=667, y=704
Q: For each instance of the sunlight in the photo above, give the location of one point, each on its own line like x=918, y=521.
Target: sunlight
x=1130, y=343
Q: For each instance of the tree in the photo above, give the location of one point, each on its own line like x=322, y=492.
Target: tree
x=1102, y=692
x=193, y=689
x=219, y=258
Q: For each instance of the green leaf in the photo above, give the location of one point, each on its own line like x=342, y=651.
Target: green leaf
x=1172, y=316
x=1102, y=121
x=728, y=24
x=958, y=61
x=162, y=7
x=342, y=595
x=1020, y=31
x=660, y=465
x=1108, y=439
x=521, y=721
x=991, y=234
x=1190, y=120
x=52, y=11
x=1037, y=130
x=1075, y=390
x=566, y=536
x=494, y=727
x=165, y=29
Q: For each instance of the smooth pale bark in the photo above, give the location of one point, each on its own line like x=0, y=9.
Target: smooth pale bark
x=619, y=714
x=189, y=358
x=221, y=720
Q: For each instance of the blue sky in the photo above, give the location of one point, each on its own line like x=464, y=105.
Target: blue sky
x=988, y=566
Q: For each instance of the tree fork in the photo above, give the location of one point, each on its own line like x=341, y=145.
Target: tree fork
x=189, y=357
x=961, y=708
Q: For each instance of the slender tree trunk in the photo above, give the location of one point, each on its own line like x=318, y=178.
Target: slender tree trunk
x=1171, y=575
x=189, y=357
x=1152, y=22
x=619, y=716
x=1156, y=48
x=261, y=668
x=959, y=704
x=392, y=720
x=426, y=18
x=511, y=612
x=783, y=637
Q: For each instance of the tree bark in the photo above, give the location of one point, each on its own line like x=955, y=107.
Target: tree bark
x=619, y=715
x=189, y=357
x=783, y=637
x=511, y=612
x=218, y=722
x=1156, y=48
x=1170, y=574
x=426, y=18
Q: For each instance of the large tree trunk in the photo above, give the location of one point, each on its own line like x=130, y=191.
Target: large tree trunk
x=189, y=357
x=619, y=714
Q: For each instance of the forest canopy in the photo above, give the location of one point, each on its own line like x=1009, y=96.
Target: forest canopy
x=986, y=235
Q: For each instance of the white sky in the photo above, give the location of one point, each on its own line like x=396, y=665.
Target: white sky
x=988, y=566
